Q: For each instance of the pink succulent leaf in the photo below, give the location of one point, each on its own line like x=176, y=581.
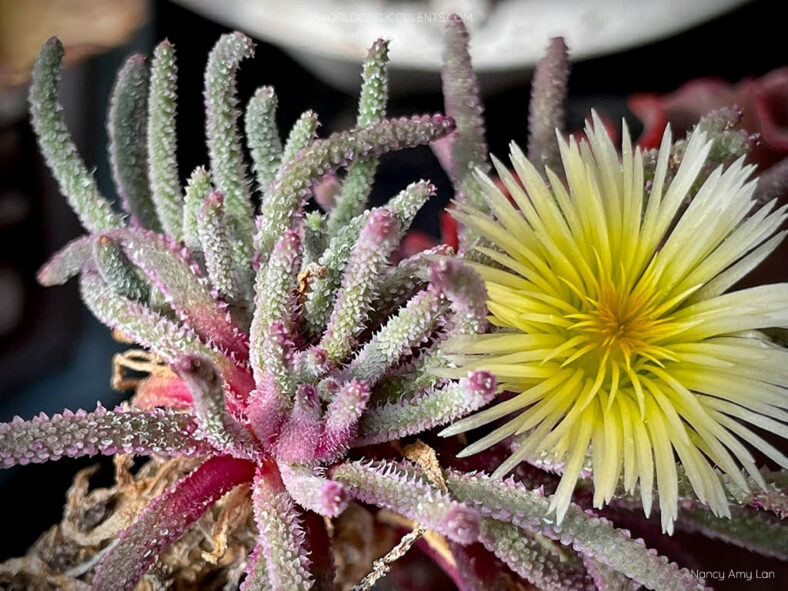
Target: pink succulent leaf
x=417, y=264
x=546, y=112
x=266, y=410
x=280, y=532
x=275, y=295
x=188, y=293
x=221, y=131
x=341, y=420
x=444, y=152
x=461, y=92
x=426, y=410
x=68, y=262
x=754, y=530
x=296, y=178
x=312, y=491
x=299, y=435
x=162, y=391
x=210, y=408
x=167, y=338
x=325, y=191
x=55, y=143
x=128, y=149
x=77, y=434
x=375, y=243
x=256, y=578
x=589, y=535
x=410, y=328
x=541, y=562
x=165, y=519
x=388, y=485
x=608, y=579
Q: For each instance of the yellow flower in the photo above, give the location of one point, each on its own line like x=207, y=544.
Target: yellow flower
x=614, y=328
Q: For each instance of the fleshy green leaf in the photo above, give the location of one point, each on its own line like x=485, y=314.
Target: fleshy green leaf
x=324, y=156
x=169, y=339
x=538, y=561
x=375, y=243
x=280, y=533
x=386, y=484
x=59, y=151
x=77, y=434
x=210, y=408
x=301, y=135
x=117, y=271
x=128, y=148
x=755, y=530
x=198, y=188
x=217, y=250
x=371, y=108
x=262, y=136
x=276, y=283
x=587, y=534
x=426, y=410
x=221, y=123
x=409, y=329
x=323, y=289
x=162, y=140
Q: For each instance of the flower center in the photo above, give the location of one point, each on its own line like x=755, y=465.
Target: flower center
x=619, y=325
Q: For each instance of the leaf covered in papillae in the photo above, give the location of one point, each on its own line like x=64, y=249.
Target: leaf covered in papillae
x=468, y=148
x=59, y=151
x=165, y=519
x=587, y=534
x=388, y=485
x=76, y=434
x=291, y=188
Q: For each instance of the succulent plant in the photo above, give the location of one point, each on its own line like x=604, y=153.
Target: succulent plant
x=296, y=354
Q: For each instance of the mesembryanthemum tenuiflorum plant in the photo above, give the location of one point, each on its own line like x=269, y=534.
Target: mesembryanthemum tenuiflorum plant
x=299, y=353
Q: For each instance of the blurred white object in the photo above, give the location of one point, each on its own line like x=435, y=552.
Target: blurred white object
x=331, y=36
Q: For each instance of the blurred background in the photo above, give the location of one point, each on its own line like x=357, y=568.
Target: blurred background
x=631, y=60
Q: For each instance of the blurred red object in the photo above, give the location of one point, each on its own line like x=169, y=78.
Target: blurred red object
x=764, y=103
x=415, y=241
